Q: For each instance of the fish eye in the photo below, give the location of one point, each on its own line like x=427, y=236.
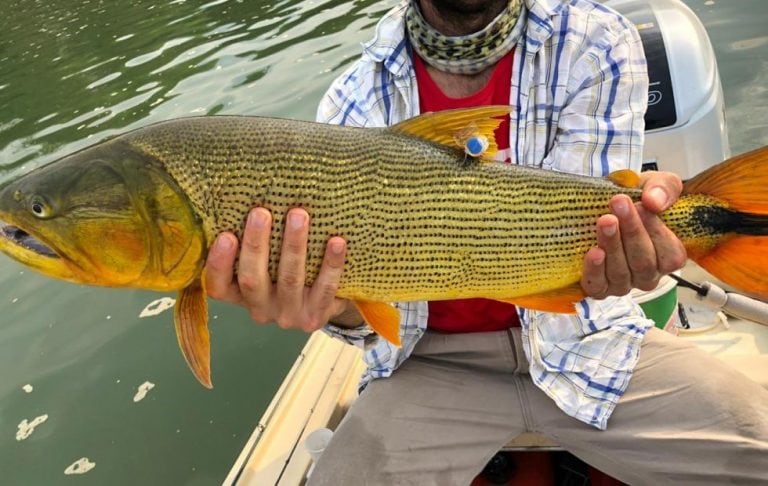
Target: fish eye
x=40, y=207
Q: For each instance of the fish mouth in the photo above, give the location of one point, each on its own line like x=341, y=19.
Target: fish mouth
x=19, y=237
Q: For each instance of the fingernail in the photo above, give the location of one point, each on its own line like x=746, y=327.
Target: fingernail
x=296, y=219
x=224, y=244
x=257, y=219
x=609, y=230
x=659, y=195
x=598, y=260
x=336, y=247
x=620, y=208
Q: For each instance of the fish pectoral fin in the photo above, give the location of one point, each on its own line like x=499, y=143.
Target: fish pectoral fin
x=625, y=178
x=383, y=318
x=190, y=318
x=455, y=127
x=559, y=301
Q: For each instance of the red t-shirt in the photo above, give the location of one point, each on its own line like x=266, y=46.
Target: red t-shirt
x=470, y=315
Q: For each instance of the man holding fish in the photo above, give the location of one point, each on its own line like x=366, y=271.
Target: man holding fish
x=484, y=371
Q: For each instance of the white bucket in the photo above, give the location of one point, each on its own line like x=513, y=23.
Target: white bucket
x=317, y=441
x=315, y=444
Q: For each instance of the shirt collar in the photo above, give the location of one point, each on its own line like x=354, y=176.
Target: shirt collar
x=389, y=43
x=540, y=25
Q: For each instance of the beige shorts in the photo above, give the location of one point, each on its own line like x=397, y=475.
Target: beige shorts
x=686, y=418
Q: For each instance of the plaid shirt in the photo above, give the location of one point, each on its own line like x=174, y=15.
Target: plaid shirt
x=579, y=89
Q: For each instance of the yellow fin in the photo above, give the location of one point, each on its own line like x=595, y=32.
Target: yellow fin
x=383, y=318
x=449, y=127
x=625, y=178
x=559, y=301
x=190, y=318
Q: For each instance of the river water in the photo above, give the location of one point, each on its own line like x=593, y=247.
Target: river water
x=72, y=73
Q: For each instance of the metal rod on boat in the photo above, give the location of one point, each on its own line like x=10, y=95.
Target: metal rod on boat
x=731, y=302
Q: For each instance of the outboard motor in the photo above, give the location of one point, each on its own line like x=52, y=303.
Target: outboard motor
x=685, y=121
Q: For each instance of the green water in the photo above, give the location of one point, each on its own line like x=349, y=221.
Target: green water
x=74, y=72
x=70, y=74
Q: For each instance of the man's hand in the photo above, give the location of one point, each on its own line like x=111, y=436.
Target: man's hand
x=634, y=248
x=288, y=302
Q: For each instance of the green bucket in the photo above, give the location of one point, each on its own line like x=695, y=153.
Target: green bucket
x=660, y=304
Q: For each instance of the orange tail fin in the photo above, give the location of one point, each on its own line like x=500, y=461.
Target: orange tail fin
x=741, y=181
x=741, y=257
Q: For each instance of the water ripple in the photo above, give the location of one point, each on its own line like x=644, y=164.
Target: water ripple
x=161, y=61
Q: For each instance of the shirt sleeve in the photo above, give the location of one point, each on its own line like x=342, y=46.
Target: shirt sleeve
x=340, y=104
x=601, y=125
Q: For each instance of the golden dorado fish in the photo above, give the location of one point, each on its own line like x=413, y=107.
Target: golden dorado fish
x=423, y=220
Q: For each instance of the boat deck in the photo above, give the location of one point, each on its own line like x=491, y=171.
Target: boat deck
x=323, y=383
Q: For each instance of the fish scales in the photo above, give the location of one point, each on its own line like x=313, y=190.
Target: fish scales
x=416, y=215
x=422, y=220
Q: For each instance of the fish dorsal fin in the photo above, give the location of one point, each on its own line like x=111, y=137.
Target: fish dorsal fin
x=625, y=178
x=190, y=318
x=558, y=301
x=383, y=318
x=454, y=127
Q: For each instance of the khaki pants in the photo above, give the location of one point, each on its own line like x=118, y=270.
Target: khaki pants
x=686, y=418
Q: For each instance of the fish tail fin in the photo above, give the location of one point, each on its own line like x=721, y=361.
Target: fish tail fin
x=741, y=182
x=740, y=257
x=740, y=261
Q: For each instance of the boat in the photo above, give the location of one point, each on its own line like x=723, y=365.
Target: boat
x=686, y=133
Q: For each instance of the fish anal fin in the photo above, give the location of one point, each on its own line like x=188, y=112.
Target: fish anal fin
x=190, y=318
x=625, y=178
x=559, y=301
x=741, y=261
x=383, y=318
x=454, y=127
